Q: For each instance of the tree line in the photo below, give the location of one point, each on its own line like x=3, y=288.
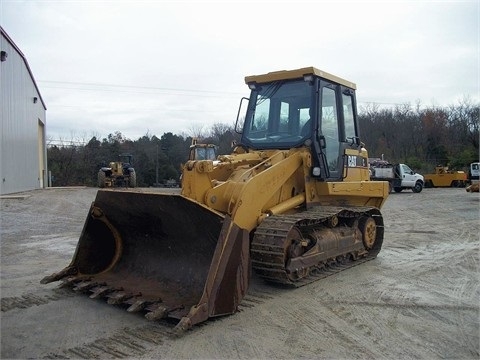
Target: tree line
x=420, y=137
x=423, y=138
x=155, y=159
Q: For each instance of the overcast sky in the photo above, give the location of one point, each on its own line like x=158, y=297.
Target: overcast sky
x=152, y=67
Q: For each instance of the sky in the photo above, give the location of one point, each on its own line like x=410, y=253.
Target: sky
x=152, y=67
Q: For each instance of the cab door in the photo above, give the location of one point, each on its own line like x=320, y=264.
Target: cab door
x=408, y=177
x=329, y=128
x=337, y=128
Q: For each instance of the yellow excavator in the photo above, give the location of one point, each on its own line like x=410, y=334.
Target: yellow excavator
x=292, y=200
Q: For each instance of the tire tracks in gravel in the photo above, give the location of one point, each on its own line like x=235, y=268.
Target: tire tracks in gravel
x=33, y=299
x=128, y=342
x=340, y=316
x=348, y=314
x=124, y=343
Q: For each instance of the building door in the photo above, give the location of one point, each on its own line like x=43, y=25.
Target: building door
x=42, y=173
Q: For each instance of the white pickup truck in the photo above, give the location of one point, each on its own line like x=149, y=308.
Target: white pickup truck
x=399, y=176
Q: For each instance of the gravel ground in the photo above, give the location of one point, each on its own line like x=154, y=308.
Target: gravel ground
x=418, y=300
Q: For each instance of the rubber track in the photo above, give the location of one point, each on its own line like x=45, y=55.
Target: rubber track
x=270, y=236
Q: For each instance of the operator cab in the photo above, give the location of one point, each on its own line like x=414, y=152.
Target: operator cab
x=304, y=107
x=203, y=152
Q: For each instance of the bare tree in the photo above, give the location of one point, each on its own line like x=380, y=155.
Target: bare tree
x=196, y=131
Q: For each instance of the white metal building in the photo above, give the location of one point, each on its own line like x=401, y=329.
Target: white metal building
x=23, y=151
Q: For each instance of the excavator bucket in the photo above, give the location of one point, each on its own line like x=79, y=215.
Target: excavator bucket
x=162, y=254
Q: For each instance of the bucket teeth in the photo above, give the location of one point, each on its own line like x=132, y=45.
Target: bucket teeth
x=183, y=325
x=70, y=281
x=70, y=270
x=138, y=305
x=118, y=298
x=159, y=313
x=101, y=291
x=86, y=285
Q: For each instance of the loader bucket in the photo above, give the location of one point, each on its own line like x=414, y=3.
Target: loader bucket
x=163, y=254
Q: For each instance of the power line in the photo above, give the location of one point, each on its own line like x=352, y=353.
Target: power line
x=195, y=92
x=132, y=87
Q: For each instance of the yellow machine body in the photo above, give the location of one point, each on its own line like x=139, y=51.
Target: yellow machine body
x=287, y=203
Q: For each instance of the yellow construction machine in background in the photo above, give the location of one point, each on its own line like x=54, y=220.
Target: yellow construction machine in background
x=118, y=173
x=201, y=151
x=443, y=177
x=293, y=199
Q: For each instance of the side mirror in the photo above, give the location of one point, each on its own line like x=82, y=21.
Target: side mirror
x=242, y=110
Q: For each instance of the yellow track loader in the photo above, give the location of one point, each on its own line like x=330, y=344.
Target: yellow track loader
x=293, y=199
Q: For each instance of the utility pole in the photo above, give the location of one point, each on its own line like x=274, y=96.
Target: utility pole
x=156, y=170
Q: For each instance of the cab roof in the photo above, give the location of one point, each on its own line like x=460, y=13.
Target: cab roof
x=298, y=74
